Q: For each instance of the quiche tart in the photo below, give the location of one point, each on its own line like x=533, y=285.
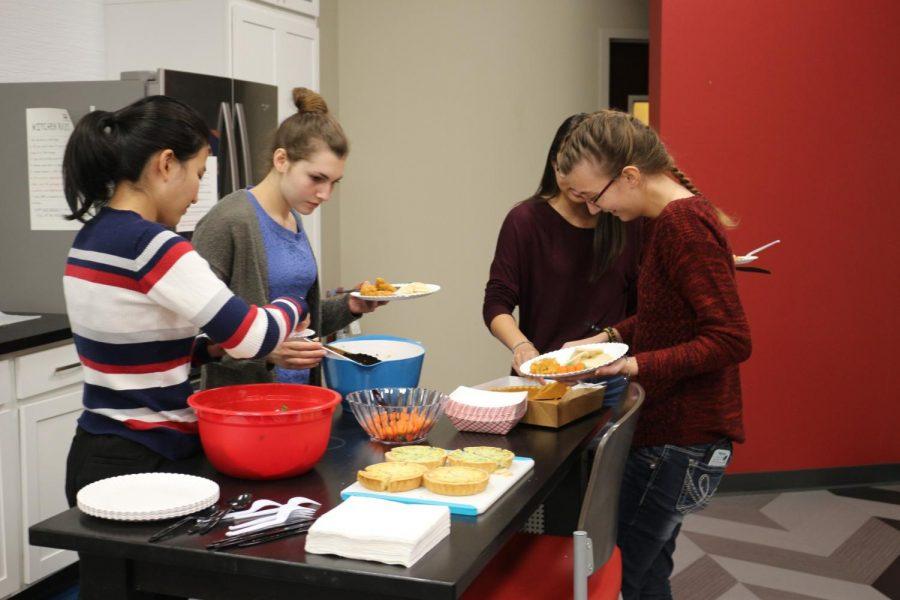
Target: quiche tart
x=464, y=458
x=501, y=456
x=456, y=481
x=391, y=476
x=429, y=456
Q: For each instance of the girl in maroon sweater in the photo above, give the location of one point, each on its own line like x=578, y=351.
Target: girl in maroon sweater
x=551, y=253
x=687, y=338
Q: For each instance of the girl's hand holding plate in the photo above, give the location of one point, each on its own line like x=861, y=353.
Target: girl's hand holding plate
x=358, y=306
x=521, y=353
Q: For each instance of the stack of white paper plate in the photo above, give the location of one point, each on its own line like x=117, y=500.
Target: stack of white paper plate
x=147, y=496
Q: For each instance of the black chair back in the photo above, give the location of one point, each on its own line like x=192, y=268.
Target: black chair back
x=600, y=508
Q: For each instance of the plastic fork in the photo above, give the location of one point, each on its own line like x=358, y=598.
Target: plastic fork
x=265, y=507
x=284, y=515
x=273, y=516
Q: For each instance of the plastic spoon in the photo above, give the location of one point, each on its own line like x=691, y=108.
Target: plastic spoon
x=761, y=248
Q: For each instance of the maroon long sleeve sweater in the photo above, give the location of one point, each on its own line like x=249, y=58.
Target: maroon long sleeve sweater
x=542, y=264
x=689, y=332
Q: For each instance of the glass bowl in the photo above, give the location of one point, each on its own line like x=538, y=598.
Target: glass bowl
x=396, y=416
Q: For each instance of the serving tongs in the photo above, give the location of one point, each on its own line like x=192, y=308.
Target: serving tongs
x=360, y=358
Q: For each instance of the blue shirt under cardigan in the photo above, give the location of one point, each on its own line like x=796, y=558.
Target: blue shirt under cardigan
x=292, y=270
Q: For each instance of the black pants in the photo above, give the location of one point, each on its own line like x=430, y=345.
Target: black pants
x=94, y=457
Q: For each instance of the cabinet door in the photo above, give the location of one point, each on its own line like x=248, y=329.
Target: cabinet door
x=46, y=427
x=10, y=523
x=275, y=47
x=298, y=66
x=254, y=42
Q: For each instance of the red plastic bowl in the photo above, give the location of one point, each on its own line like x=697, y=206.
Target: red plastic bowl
x=266, y=430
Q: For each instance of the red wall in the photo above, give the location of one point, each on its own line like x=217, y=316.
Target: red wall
x=785, y=113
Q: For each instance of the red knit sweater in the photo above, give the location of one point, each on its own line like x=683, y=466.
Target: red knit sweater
x=690, y=332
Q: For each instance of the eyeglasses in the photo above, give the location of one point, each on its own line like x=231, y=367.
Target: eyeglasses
x=593, y=201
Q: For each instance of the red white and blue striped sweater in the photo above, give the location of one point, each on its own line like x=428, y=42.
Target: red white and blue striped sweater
x=137, y=295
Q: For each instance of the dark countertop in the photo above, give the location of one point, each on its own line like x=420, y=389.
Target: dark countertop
x=33, y=333
x=182, y=566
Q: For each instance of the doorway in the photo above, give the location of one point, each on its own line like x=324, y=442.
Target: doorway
x=629, y=72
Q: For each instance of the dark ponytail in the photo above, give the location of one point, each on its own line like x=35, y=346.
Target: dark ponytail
x=109, y=147
x=609, y=232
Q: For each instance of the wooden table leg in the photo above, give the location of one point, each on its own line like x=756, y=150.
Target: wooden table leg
x=104, y=577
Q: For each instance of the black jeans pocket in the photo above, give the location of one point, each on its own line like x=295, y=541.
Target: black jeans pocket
x=700, y=484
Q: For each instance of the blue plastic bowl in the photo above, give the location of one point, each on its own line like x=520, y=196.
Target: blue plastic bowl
x=401, y=364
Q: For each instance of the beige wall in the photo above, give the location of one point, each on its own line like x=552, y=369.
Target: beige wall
x=330, y=261
x=450, y=108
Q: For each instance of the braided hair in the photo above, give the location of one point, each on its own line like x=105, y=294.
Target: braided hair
x=615, y=140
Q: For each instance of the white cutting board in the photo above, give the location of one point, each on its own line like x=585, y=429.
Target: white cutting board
x=459, y=505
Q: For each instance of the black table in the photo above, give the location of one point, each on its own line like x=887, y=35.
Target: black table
x=117, y=562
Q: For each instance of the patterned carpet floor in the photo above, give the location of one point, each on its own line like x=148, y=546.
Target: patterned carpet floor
x=839, y=544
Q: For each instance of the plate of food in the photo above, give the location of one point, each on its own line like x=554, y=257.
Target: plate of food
x=383, y=291
x=577, y=360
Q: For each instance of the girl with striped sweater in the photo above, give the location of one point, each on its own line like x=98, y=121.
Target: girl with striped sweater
x=138, y=295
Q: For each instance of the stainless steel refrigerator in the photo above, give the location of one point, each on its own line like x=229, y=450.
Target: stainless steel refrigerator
x=241, y=114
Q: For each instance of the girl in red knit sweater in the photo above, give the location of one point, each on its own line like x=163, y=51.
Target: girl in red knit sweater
x=686, y=340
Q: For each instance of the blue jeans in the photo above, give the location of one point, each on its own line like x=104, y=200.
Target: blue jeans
x=660, y=485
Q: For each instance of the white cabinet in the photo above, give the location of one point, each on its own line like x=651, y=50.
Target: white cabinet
x=10, y=515
x=6, y=384
x=46, y=430
x=274, y=48
x=307, y=7
x=40, y=401
x=47, y=370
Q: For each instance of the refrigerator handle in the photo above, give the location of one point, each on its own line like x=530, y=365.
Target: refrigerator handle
x=245, y=143
x=226, y=124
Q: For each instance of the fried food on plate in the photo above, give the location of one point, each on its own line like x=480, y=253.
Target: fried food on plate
x=380, y=288
x=551, y=366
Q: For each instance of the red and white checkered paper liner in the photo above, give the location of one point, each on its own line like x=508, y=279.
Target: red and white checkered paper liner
x=484, y=419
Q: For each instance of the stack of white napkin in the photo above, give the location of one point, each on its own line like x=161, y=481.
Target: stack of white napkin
x=380, y=530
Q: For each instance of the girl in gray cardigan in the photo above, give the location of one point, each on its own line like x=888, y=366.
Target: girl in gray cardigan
x=254, y=241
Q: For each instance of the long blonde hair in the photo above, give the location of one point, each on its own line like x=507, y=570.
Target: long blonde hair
x=614, y=140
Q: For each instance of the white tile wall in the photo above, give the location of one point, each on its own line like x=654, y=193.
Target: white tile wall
x=51, y=40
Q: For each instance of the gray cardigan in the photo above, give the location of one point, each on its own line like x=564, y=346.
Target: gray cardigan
x=230, y=239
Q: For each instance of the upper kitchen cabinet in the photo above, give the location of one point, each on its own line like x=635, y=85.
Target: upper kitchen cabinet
x=242, y=39
x=306, y=7
x=275, y=49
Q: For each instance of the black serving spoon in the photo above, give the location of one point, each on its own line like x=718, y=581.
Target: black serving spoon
x=366, y=360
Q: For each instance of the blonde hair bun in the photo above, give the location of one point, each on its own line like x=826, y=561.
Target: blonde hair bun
x=308, y=101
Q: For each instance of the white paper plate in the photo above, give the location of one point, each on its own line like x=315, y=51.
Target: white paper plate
x=147, y=496
x=743, y=260
x=302, y=335
x=614, y=350
x=432, y=288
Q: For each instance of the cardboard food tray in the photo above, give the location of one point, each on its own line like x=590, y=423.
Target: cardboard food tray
x=576, y=403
